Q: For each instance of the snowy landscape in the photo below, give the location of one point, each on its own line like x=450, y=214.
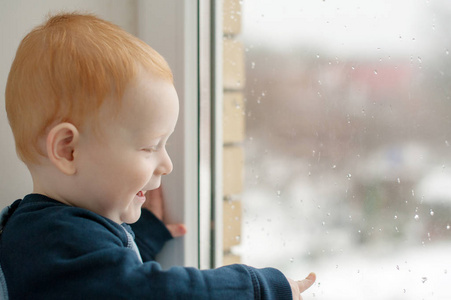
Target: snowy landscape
x=348, y=157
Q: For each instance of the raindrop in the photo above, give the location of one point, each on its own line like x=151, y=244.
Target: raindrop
x=447, y=227
x=413, y=193
x=291, y=260
x=431, y=212
x=399, y=180
x=334, y=166
x=396, y=217
x=263, y=94
x=416, y=217
x=278, y=193
x=419, y=60
x=237, y=238
x=252, y=65
x=447, y=52
x=375, y=72
x=317, y=55
x=349, y=176
x=323, y=223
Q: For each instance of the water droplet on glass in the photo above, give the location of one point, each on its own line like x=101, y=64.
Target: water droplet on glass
x=291, y=260
x=252, y=65
x=413, y=193
x=424, y=279
x=419, y=60
x=447, y=143
x=334, y=166
x=278, y=193
x=349, y=176
x=447, y=52
x=416, y=217
x=447, y=227
x=375, y=72
x=431, y=212
x=396, y=217
x=237, y=238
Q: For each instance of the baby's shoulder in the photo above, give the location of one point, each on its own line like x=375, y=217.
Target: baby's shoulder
x=53, y=222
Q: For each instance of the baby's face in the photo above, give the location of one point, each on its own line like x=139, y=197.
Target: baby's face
x=129, y=159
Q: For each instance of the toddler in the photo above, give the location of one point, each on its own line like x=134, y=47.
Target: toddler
x=91, y=108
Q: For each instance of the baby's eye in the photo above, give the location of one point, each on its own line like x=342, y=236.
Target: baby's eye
x=150, y=149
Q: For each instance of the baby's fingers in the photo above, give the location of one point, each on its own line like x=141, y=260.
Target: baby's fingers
x=176, y=230
x=307, y=282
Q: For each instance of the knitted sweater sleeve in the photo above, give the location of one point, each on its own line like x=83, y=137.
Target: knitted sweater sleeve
x=68, y=253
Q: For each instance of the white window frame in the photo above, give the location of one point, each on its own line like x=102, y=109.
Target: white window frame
x=183, y=32
x=170, y=27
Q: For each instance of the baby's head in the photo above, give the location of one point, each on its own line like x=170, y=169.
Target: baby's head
x=91, y=108
x=65, y=70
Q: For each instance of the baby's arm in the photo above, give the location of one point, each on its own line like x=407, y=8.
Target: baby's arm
x=155, y=204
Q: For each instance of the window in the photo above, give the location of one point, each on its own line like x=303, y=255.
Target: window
x=336, y=144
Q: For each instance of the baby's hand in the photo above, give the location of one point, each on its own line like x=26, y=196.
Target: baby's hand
x=298, y=287
x=155, y=203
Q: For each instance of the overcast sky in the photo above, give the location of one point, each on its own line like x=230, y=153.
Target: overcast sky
x=343, y=26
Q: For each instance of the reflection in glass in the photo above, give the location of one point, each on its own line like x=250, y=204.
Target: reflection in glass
x=348, y=157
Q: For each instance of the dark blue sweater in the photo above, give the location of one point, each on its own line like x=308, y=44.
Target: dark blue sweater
x=49, y=250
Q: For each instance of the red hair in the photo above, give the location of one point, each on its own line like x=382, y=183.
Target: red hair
x=65, y=69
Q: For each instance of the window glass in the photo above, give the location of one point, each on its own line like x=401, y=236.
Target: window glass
x=339, y=113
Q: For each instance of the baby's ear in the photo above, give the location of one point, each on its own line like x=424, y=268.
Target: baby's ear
x=61, y=143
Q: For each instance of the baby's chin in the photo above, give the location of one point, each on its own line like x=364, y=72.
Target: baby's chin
x=131, y=218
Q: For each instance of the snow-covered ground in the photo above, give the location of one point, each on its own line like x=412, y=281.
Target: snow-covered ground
x=295, y=237
x=422, y=272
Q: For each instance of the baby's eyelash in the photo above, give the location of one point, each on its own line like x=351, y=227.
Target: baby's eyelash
x=151, y=149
